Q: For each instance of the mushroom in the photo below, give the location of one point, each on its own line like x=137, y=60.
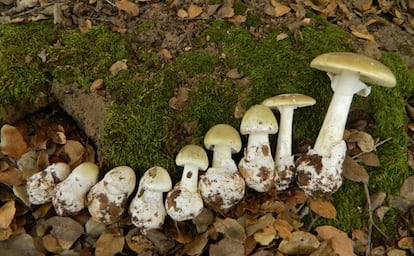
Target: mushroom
x=286, y=104
x=257, y=166
x=319, y=172
x=222, y=186
x=107, y=199
x=40, y=185
x=69, y=196
x=184, y=202
x=147, y=208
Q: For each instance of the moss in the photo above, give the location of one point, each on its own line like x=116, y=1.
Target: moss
x=23, y=78
x=239, y=7
x=254, y=19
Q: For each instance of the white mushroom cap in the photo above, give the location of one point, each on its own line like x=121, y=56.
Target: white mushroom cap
x=192, y=155
x=69, y=196
x=258, y=119
x=223, y=134
x=182, y=204
x=108, y=198
x=370, y=70
x=156, y=179
x=40, y=185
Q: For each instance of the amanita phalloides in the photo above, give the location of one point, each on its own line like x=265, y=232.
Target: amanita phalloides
x=69, y=196
x=319, y=172
x=257, y=166
x=147, y=208
x=107, y=199
x=222, y=186
x=284, y=160
x=184, y=201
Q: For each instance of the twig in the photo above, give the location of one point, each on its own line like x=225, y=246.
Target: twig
x=370, y=220
x=110, y=3
x=31, y=10
x=375, y=146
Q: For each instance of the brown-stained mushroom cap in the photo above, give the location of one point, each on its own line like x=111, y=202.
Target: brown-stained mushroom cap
x=223, y=134
x=370, y=70
x=156, y=179
x=194, y=155
x=258, y=118
x=295, y=100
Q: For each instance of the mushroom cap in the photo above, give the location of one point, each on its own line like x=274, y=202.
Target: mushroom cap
x=120, y=180
x=223, y=134
x=194, y=155
x=370, y=70
x=86, y=172
x=259, y=119
x=156, y=179
x=295, y=100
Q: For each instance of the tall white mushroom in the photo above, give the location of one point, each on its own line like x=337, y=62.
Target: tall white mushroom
x=69, y=196
x=107, y=199
x=147, y=208
x=222, y=186
x=319, y=172
x=286, y=104
x=257, y=166
x=184, y=201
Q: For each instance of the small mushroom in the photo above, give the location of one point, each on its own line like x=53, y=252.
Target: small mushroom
x=222, y=186
x=257, y=166
x=319, y=172
x=40, y=185
x=147, y=208
x=184, y=202
x=107, y=199
x=69, y=196
x=286, y=104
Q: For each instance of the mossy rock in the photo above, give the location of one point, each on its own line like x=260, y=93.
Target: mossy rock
x=141, y=129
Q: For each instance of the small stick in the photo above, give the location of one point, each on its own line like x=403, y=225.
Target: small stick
x=376, y=145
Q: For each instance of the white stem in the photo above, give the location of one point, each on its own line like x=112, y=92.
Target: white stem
x=333, y=126
x=221, y=154
x=284, y=138
x=189, y=178
x=257, y=139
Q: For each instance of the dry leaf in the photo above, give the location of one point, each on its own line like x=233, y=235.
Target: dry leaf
x=11, y=177
x=364, y=140
x=196, y=247
x=51, y=244
x=97, y=85
x=128, y=7
x=370, y=159
x=323, y=208
x=179, y=101
x=231, y=229
x=225, y=12
x=406, y=243
x=72, y=152
x=226, y=247
x=234, y=74
x=85, y=26
x=354, y=171
x=118, y=66
x=166, y=54
x=138, y=242
x=260, y=224
x=237, y=19
x=300, y=243
x=407, y=189
x=182, y=13
x=203, y=220
x=12, y=141
x=194, y=11
x=377, y=199
x=283, y=228
x=281, y=36
x=65, y=229
x=109, y=244
x=7, y=212
x=281, y=10
x=360, y=239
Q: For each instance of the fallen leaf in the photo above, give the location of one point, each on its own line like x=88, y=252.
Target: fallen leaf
x=237, y=19
x=194, y=11
x=109, y=244
x=234, y=74
x=85, y=26
x=225, y=12
x=406, y=243
x=360, y=239
x=12, y=141
x=182, y=13
x=231, y=229
x=407, y=189
x=179, y=101
x=370, y=159
x=64, y=229
x=226, y=247
x=260, y=224
x=138, y=242
x=7, y=212
x=72, y=152
x=339, y=241
x=43, y=55
x=128, y=7
x=196, y=247
x=281, y=36
x=118, y=66
x=364, y=140
x=283, y=228
x=11, y=177
x=377, y=199
x=300, y=243
x=166, y=54
x=265, y=236
x=97, y=85
x=281, y=10
x=203, y=220
x=42, y=160
x=323, y=208
x=51, y=244
x=354, y=171
x=20, y=244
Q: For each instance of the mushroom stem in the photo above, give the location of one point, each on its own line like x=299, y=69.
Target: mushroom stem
x=189, y=178
x=257, y=140
x=333, y=126
x=222, y=158
x=284, y=138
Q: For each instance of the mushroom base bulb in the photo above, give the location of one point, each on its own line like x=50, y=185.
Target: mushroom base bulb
x=285, y=172
x=257, y=168
x=320, y=176
x=147, y=210
x=181, y=204
x=221, y=189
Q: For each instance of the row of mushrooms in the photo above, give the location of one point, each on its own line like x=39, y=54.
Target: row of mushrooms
x=223, y=184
